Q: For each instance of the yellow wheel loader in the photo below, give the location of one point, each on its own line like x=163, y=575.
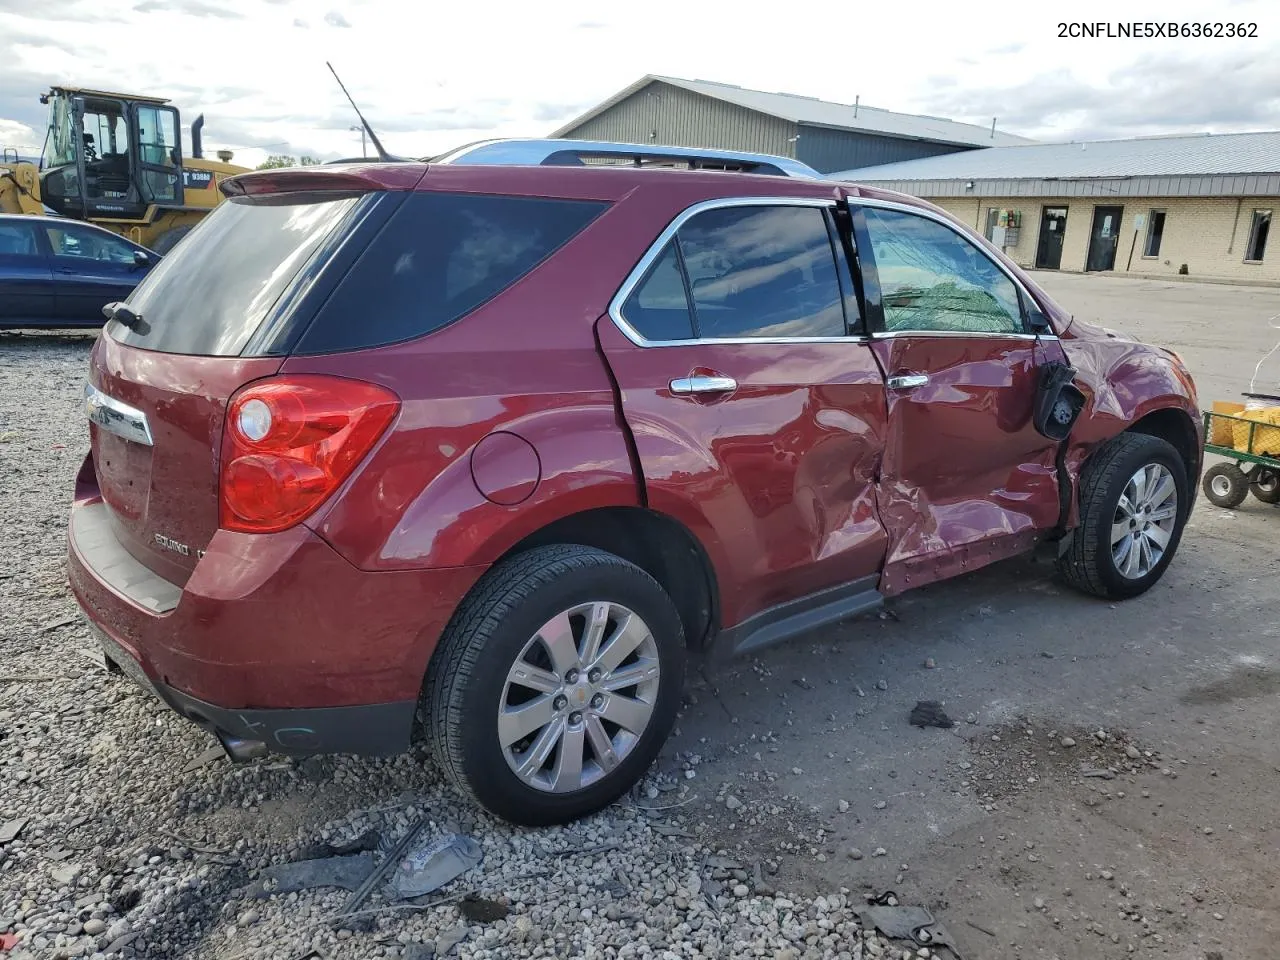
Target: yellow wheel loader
x=115, y=159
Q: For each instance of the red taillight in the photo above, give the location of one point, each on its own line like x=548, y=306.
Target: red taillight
x=290, y=441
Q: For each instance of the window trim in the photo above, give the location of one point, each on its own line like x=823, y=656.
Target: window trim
x=854, y=204
x=638, y=273
x=1253, y=223
x=1025, y=300
x=1146, y=241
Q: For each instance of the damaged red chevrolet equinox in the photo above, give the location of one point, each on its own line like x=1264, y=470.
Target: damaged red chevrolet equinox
x=487, y=446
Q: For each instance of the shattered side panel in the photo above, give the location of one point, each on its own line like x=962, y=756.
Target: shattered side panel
x=966, y=478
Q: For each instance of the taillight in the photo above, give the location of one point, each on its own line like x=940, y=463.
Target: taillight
x=290, y=441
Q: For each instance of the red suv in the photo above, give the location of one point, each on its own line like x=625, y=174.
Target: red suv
x=494, y=447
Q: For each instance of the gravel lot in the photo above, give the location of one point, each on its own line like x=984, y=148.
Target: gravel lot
x=135, y=843
x=793, y=787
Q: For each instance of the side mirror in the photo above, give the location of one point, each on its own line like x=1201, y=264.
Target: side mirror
x=140, y=258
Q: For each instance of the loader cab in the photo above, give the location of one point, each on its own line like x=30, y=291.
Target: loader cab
x=110, y=155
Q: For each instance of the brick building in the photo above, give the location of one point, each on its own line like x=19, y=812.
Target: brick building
x=1155, y=206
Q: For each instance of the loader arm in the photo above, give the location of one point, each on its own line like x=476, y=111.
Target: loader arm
x=20, y=189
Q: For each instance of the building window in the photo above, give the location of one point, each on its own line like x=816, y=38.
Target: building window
x=1258, y=232
x=1155, y=233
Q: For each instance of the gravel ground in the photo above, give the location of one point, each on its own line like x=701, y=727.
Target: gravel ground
x=132, y=840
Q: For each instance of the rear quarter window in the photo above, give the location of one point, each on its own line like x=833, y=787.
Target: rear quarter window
x=214, y=290
x=439, y=257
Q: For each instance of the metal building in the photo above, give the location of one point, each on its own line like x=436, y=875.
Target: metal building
x=1197, y=205
x=826, y=136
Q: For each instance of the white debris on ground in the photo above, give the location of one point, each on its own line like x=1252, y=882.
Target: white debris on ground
x=121, y=835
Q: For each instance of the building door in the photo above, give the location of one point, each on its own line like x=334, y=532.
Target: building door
x=1103, y=238
x=1053, y=227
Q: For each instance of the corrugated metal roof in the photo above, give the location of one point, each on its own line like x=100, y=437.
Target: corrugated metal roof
x=1200, y=154
x=798, y=109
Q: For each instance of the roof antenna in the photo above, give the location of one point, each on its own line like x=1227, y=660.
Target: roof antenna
x=855, y=106
x=373, y=137
x=993, y=128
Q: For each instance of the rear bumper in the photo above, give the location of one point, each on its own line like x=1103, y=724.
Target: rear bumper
x=274, y=638
x=376, y=730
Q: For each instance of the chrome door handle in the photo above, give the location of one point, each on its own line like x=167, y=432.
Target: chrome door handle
x=687, y=385
x=908, y=382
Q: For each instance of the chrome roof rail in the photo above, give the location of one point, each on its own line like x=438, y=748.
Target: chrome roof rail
x=550, y=152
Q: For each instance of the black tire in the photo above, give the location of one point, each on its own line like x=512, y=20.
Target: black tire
x=1266, y=485
x=1088, y=565
x=169, y=239
x=1225, y=485
x=468, y=673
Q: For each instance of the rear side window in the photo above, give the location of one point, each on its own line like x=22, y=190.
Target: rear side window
x=764, y=271
x=439, y=257
x=219, y=284
x=658, y=309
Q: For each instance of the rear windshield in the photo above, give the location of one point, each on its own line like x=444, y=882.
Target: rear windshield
x=213, y=291
x=439, y=257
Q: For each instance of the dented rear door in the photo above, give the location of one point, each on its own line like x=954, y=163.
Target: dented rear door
x=966, y=478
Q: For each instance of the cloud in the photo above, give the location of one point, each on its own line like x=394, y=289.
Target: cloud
x=552, y=112
x=299, y=22
x=192, y=8
x=591, y=25
x=1157, y=93
x=1008, y=48
x=334, y=19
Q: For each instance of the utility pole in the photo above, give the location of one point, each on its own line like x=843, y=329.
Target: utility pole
x=364, y=153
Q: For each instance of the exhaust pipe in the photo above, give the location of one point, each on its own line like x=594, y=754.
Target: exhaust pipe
x=240, y=750
x=197, y=145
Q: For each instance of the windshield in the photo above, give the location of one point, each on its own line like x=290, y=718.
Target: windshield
x=219, y=284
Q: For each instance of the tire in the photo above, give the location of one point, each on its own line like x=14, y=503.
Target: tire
x=1090, y=564
x=1266, y=486
x=167, y=240
x=1225, y=485
x=469, y=683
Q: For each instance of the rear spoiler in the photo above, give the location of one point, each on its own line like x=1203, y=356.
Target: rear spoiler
x=554, y=152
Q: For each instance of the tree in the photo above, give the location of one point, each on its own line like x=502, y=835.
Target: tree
x=278, y=160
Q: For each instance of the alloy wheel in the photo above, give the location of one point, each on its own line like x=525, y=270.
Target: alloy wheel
x=1144, y=521
x=578, y=697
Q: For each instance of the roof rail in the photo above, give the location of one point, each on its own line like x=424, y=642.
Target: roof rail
x=553, y=152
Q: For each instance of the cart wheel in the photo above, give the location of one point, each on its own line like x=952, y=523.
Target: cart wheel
x=1266, y=486
x=1225, y=485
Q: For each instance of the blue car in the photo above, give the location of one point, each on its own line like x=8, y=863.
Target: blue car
x=61, y=273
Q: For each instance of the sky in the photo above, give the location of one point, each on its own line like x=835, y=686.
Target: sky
x=430, y=77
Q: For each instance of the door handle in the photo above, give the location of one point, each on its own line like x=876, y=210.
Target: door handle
x=908, y=381
x=688, y=385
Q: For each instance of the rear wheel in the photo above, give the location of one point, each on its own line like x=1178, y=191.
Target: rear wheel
x=1266, y=486
x=1225, y=485
x=1133, y=506
x=556, y=684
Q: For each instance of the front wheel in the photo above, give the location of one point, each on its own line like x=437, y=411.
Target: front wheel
x=1133, y=506
x=555, y=684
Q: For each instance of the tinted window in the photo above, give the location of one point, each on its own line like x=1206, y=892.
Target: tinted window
x=931, y=278
x=658, y=309
x=18, y=239
x=762, y=272
x=77, y=243
x=210, y=294
x=439, y=257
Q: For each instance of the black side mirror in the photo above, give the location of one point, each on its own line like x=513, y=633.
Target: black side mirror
x=1058, y=401
x=1037, y=321
x=140, y=258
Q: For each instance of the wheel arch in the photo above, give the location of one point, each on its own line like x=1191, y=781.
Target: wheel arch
x=656, y=543
x=1176, y=427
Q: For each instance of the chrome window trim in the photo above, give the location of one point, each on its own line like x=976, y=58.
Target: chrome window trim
x=118, y=418
x=655, y=250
